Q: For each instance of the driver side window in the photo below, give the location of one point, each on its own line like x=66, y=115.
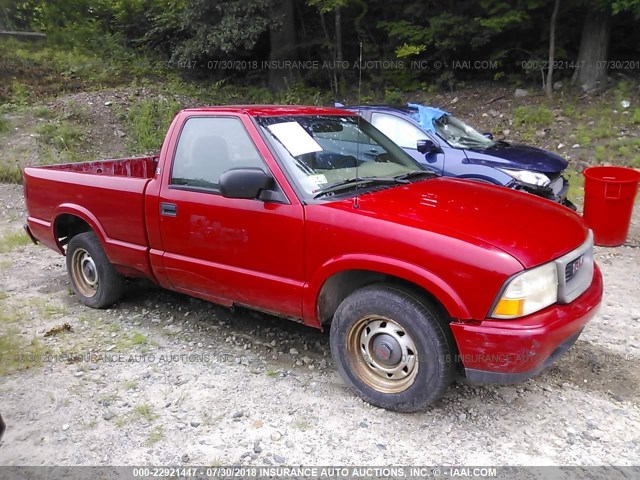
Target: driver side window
x=208, y=147
x=403, y=133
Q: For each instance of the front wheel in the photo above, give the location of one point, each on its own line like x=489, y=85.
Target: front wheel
x=94, y=280
x=395, y=351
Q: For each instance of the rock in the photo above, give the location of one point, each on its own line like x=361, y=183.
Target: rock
x=521, y=93
x=557, y=85
x=65, y=427
x=363, y=425
x=462, y=417
x=506, y=132
x=181, y=426
x=279, y=458
x=575, y=145
x=185, y=458
x=78, y=373
x=294, y=351
x=289, y=444
x=276, y=436
x=625, y=104
x=307, y=449
x=493, y=113
x=256, y=447
x=194, y=423
x=120, y=134
x=560, y=146
x=108, y=104
x=108, y=415
x=237, y=414
x=307, y=360
x=93, y=366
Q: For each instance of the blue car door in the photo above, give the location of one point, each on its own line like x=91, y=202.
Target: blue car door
x=405, y=134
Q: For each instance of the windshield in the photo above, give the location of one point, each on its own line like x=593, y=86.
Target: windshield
x=333, y=154
x=460, y=135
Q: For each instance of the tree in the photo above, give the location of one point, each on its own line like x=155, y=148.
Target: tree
x=591, y=72
x=548, y=88
x=282, y=34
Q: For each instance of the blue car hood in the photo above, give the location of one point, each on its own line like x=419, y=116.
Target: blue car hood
x=521, y=157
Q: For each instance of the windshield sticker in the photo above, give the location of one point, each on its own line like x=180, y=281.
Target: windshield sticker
x=295, y=138
x=318, y=179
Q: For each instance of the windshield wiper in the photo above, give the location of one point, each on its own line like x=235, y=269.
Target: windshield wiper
x=354, y=182
x=416, y=173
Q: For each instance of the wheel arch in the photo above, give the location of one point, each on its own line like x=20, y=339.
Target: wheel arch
x=70, y=220
x=343, y=277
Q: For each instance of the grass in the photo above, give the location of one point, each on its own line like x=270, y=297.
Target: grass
x=156, y=435
x=5, y=125
x=13, y=240
x=144, y=411
x=10, y=174
x=532, y=116
x=17, y=352
x=62, y=135
x=147, y=123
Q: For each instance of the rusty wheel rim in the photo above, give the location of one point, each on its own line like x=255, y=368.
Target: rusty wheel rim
x=382, y=354
x=84, y=272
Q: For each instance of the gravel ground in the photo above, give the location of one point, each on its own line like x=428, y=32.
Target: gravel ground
x=165, y=379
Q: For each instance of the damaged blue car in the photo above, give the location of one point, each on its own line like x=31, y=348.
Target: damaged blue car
x=450, y=147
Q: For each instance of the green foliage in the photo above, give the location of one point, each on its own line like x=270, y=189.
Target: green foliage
x=10, y=173
x=13, y=240
x=533, y=115
x=407, y=50
x=62, y=135
x=216, y=28
x=147, y=123
x=635, y=116
x=5, y=125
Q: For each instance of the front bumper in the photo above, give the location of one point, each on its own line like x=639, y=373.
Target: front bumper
x=509, y=351
x=557, y=191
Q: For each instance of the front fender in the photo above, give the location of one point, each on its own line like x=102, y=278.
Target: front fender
x=415, y=274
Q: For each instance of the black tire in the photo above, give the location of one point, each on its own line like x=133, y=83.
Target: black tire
x=386, y=311
x=94, y=280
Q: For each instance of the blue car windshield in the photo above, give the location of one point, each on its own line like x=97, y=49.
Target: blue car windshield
x=460, y=135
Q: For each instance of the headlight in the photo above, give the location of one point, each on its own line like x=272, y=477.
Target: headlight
x=528, y=292
x=527, y=176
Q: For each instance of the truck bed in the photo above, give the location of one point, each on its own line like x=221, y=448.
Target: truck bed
x=140, y=167
x=108, y=195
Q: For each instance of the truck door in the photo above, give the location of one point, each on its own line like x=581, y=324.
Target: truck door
x=226, y=250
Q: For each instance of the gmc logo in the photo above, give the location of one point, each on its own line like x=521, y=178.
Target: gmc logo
x=576, y=265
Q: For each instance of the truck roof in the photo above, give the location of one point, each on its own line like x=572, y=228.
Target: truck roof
x=272, y=110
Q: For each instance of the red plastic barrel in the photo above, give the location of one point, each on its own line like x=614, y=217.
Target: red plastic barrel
x=609, y=194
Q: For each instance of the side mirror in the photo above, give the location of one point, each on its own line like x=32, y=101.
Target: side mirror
x=427, y=147
x=489, y=135
x=245, y=183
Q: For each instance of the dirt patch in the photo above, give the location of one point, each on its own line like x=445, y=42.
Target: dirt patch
x=166, y=379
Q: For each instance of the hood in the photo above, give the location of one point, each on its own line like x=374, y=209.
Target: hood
x=520, y=157
x=530, y=229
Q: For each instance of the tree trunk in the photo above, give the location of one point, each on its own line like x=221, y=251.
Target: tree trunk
x=548, y=88
x=591, y=73
x=283, y=42
x=339, y=55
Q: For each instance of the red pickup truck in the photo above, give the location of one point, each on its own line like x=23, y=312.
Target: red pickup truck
x=314, y=215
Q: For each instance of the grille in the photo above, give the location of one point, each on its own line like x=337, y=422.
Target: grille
x=575, y=271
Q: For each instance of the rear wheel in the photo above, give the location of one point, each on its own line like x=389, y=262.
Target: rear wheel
x=392, y=349
x=94, y=280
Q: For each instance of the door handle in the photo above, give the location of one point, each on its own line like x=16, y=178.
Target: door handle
x=168, y=209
